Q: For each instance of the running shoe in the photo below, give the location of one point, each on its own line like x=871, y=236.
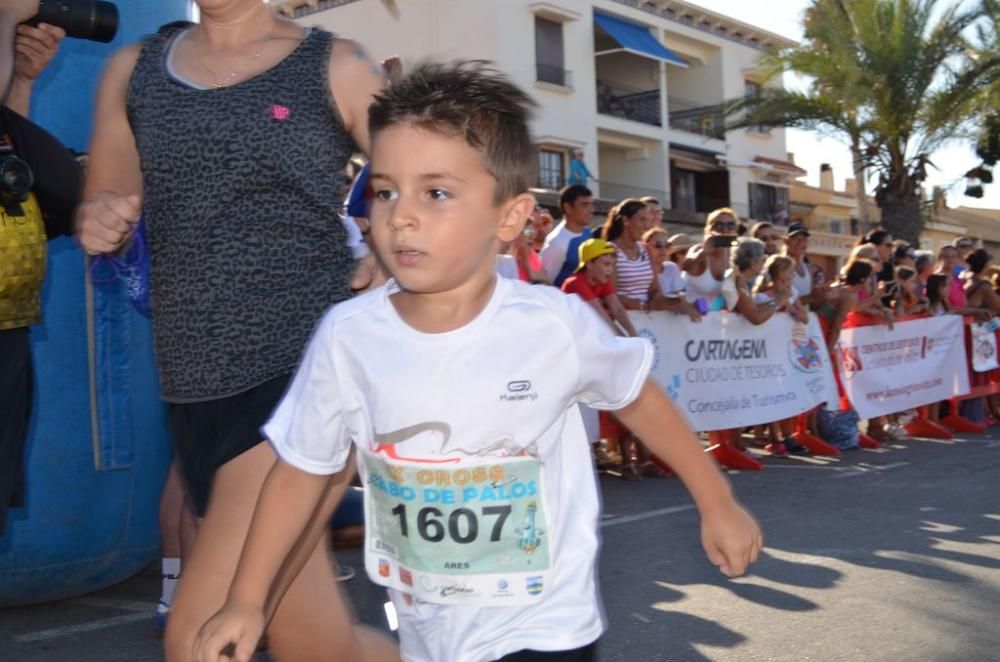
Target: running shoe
x=160, y=618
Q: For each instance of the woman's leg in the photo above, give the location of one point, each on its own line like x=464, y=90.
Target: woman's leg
x=312, y=622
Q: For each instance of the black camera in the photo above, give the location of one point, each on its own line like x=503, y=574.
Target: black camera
x=94, y=20
x=16, y=179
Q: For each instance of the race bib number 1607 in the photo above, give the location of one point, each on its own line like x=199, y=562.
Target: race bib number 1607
x=469, y=534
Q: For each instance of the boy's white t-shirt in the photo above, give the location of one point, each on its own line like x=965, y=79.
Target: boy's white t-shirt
x=485, y=391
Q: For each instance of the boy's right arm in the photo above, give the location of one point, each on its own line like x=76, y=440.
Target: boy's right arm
x=729, y=534
x=291, y=503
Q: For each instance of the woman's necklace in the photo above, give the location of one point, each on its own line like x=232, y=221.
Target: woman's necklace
x=631, y=250
x=230, y=78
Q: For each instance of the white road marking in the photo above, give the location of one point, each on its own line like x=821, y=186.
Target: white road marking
x=861, y=470
x=53, y=633
x=123, y=605
x=811, y=467
x=625, y=519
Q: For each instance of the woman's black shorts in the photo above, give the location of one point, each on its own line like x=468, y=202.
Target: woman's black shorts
x=585, y=654
x=208, y=434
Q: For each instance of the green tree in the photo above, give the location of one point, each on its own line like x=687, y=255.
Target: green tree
x=896, y=79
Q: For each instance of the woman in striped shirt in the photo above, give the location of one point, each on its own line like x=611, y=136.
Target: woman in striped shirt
x=635, y=283
x=635, y=278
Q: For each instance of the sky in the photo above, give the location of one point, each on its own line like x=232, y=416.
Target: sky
x=783, y=17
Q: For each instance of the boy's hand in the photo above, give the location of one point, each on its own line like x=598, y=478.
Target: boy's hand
x=731, y=538
x=35, y=48
x=232, y=634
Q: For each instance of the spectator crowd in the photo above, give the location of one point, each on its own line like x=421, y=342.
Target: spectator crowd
x=631, y=262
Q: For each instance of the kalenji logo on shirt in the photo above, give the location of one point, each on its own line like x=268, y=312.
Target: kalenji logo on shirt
x=517, y=391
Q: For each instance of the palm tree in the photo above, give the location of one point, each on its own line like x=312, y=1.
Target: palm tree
x=896, y=78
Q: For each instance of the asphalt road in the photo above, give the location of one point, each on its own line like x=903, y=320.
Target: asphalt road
x=876, y=555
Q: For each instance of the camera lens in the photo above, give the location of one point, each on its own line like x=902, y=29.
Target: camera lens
x=95, y=20
x=16, y=178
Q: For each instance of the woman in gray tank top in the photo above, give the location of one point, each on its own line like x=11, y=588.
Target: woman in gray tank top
x=231, y=137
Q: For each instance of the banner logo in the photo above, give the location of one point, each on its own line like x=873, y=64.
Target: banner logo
x=805, y=352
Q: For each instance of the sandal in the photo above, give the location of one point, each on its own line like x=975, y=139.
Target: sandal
x=602, y=459
x=652, y=469
x=631, y=472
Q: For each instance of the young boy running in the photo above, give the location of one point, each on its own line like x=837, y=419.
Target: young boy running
x=481, y=503
x=594, y=282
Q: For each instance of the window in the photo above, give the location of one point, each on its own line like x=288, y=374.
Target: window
x=549, y=60
x=551, y=168
x=752, y=90
x=769, y=203
x=682, y=190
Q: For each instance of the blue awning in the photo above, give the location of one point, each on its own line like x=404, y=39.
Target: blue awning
x=636, y=39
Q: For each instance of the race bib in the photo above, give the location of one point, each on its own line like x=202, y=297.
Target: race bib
x=474, y=534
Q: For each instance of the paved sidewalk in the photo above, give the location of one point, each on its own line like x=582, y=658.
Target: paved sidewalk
x=878, y=555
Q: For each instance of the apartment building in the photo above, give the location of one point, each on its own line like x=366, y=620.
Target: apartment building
x=637, y=85
x=832, y=216
x=945, y=224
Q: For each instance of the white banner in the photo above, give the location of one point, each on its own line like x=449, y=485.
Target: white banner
x=916, y=363
x=724, y=372
x=984, y=346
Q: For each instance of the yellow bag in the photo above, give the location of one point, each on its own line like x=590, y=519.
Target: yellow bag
x=22, y=265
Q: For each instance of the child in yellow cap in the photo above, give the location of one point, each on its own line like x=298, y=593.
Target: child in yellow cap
x=594, y=281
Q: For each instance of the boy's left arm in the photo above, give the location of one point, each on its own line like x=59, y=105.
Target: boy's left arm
x=619, y=313
x=730, y=535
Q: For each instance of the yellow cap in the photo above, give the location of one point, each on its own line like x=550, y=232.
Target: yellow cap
x=594, y=248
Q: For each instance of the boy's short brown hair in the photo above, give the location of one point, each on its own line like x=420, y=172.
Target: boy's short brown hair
x=469, y=99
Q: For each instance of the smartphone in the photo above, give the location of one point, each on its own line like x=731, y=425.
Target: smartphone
x=723, y=241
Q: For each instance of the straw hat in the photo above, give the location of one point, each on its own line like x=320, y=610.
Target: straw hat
x=679, y=242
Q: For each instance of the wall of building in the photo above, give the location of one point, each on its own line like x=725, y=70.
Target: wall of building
x=700, y=84
x=441, y=29
x=632, y=71
x=633, y=173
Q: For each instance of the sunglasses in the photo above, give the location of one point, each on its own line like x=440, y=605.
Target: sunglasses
x=660, y=244
x=725, y=225
x=530, y=232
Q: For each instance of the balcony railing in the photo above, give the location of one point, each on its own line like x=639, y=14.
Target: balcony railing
x=615, y=191
x=629, y=103
x=703, y=205
x=547, y=73
x=697, y=118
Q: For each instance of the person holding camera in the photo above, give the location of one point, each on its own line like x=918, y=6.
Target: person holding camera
x=706, y=264
x=232, y=137
x=40, y=184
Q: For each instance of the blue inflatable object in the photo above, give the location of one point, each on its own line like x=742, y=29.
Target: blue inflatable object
x=98, y=449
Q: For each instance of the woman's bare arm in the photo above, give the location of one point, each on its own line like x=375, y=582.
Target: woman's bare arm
x=355, y=79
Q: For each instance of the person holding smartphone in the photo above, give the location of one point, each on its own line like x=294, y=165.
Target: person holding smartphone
x=705, y=266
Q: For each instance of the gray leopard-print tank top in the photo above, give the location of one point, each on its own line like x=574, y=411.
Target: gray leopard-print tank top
x=242, y=187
